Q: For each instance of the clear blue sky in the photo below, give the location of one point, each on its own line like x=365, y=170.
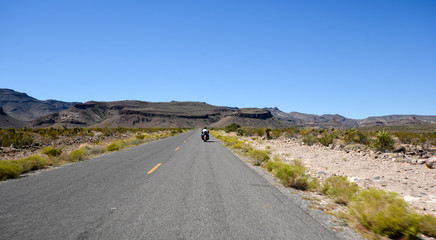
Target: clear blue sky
x=355, y=58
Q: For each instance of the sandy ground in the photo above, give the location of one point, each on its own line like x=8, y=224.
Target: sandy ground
x=416, y=183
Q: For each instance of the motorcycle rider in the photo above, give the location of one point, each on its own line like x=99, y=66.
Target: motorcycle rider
x=205, y=131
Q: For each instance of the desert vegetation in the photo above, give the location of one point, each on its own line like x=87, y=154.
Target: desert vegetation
x=376, y=213
x=75, y=144
x=376, y=138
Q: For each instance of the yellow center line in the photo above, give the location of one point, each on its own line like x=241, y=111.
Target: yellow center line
x=177, y=148
x=152, y=170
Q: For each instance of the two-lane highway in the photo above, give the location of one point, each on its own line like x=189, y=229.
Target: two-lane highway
x=175, y=188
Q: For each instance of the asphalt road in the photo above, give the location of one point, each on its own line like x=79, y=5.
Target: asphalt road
x=200, y=191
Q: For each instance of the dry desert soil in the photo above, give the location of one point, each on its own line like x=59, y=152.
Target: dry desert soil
x=415, y=182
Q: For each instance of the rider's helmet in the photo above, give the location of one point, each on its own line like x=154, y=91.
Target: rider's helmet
x=205, y=127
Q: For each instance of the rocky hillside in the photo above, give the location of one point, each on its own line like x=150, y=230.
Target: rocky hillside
x=9, y=122
x=150, y=114
x=19, y=110
x=311, y=120
x=25, y=108
x=396, y=120
x=253, y=117
x=338, y=121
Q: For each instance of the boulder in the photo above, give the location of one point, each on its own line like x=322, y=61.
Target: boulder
x=401, y=149
x=431, y=163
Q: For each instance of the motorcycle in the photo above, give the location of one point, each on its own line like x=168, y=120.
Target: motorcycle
x=205, y=136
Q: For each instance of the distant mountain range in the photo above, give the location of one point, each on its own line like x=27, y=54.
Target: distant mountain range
x=328, y=120
x=25, y=108
x=19, y=109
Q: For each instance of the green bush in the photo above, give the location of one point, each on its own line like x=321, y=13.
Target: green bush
x=274, y=166
x=93, y=150
x=113, y=147
x=314, y=184
x=259, y=132
x=96, y=150
x=14, y=137
x=327, y=138
x=13, y=168
x=32, y=163
x=384, y=141
x=385, y=213
x=355, y=136
x=140, y=136
x=135, y=142
x=228, y=140
x=51, y=151
x=428, y=225
x=259, y=156
x=275, y=133
x=292, y=176
x=268, y=133
x=231, y=128
x=9, y=169
x=308, y=140
x=244, y=132
x=340, y=189
x=76, y=155
x=245, y=148
x=116, y=146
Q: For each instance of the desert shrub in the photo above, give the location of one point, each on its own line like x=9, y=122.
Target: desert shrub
x=113, y=147
x=297, y=162
x=92, y=150
x=247, y=132
x=9, y=169
x=32, y=163
x=340, y=189
x=116, y=145
x=176, y=131
x=140, y=136
x=240, y=132
x=135, y=142
x=305, y=131
x=275, y=133
x=293, y=176
x=97, y=150
x=268, y=133
x=15, y=137
x=313, y=184
x=231, y=128
x=291, y=132
x=385, y=213
x=245, y=148
x=354, y=146
x=384, y=141
x=273, y=166
x=406, y=137
x=428, y=225
x=259, y=132
x=308, y=140
x=258, y=156
x=228, y=140
x=13, y=168
x=76, y=155
x=327, y=137
x=51, y=151
x=355, y=136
